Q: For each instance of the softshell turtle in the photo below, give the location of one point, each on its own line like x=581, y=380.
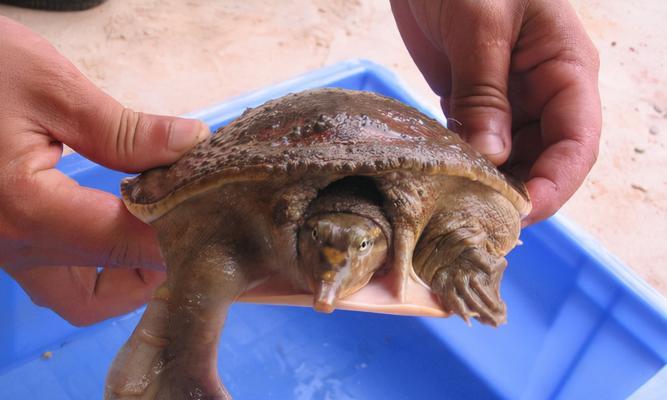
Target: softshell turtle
x=331, y=198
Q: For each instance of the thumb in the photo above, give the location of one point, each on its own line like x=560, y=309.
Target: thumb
x=102, y=130
x=479, y=51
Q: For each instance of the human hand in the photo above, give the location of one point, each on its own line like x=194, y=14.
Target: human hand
x=519, y=80
x=49, y=226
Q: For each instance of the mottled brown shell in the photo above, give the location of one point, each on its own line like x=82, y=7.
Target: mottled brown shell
x=317, y=132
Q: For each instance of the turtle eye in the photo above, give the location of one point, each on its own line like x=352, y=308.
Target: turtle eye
x=314, y=234
x=364, y=244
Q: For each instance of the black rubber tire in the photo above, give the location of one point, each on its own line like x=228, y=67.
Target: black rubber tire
x=55, y=5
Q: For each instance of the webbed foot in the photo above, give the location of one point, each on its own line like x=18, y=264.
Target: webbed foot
x=152, y=365
x=469, y=287
x=179, y=383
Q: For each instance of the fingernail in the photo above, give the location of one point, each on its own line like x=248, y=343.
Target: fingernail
x=487, y=144
x=185, y=133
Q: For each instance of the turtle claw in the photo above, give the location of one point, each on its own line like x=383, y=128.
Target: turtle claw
x=469, y=291
x=491, y=299
x=489, y=313
x=457, y=304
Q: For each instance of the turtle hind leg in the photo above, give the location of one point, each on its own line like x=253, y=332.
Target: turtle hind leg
x=139, y=362
x=203, y=286
x=172, y=353
x=462, y=273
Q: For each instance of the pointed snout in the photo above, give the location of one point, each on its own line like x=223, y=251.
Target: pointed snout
x=328, y=283
x=325, y=297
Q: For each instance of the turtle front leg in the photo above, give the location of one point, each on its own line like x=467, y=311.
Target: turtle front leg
x=172, y=353
x=462, y=273
x=404, y=244
x=408, y=205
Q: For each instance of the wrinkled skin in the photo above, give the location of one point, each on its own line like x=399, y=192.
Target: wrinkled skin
x=330, y=221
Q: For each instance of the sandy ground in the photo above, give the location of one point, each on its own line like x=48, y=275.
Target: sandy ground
x=175, y=56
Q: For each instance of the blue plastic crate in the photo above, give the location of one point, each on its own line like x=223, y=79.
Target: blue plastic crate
x=581, y=325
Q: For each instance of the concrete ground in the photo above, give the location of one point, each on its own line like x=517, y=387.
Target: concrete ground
x=174, y=56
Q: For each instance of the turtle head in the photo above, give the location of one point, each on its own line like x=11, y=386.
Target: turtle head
x=339, y=253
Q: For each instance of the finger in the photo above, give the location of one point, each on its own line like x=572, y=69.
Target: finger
x=120, y=290
x=77, y=113
x=526, y=148
x=122, y=139
x=82, y=295
x=94, y=226
x=571, y=124
x=54, y=221
x=431, y=61
x=480, y=60
x=559, y=87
